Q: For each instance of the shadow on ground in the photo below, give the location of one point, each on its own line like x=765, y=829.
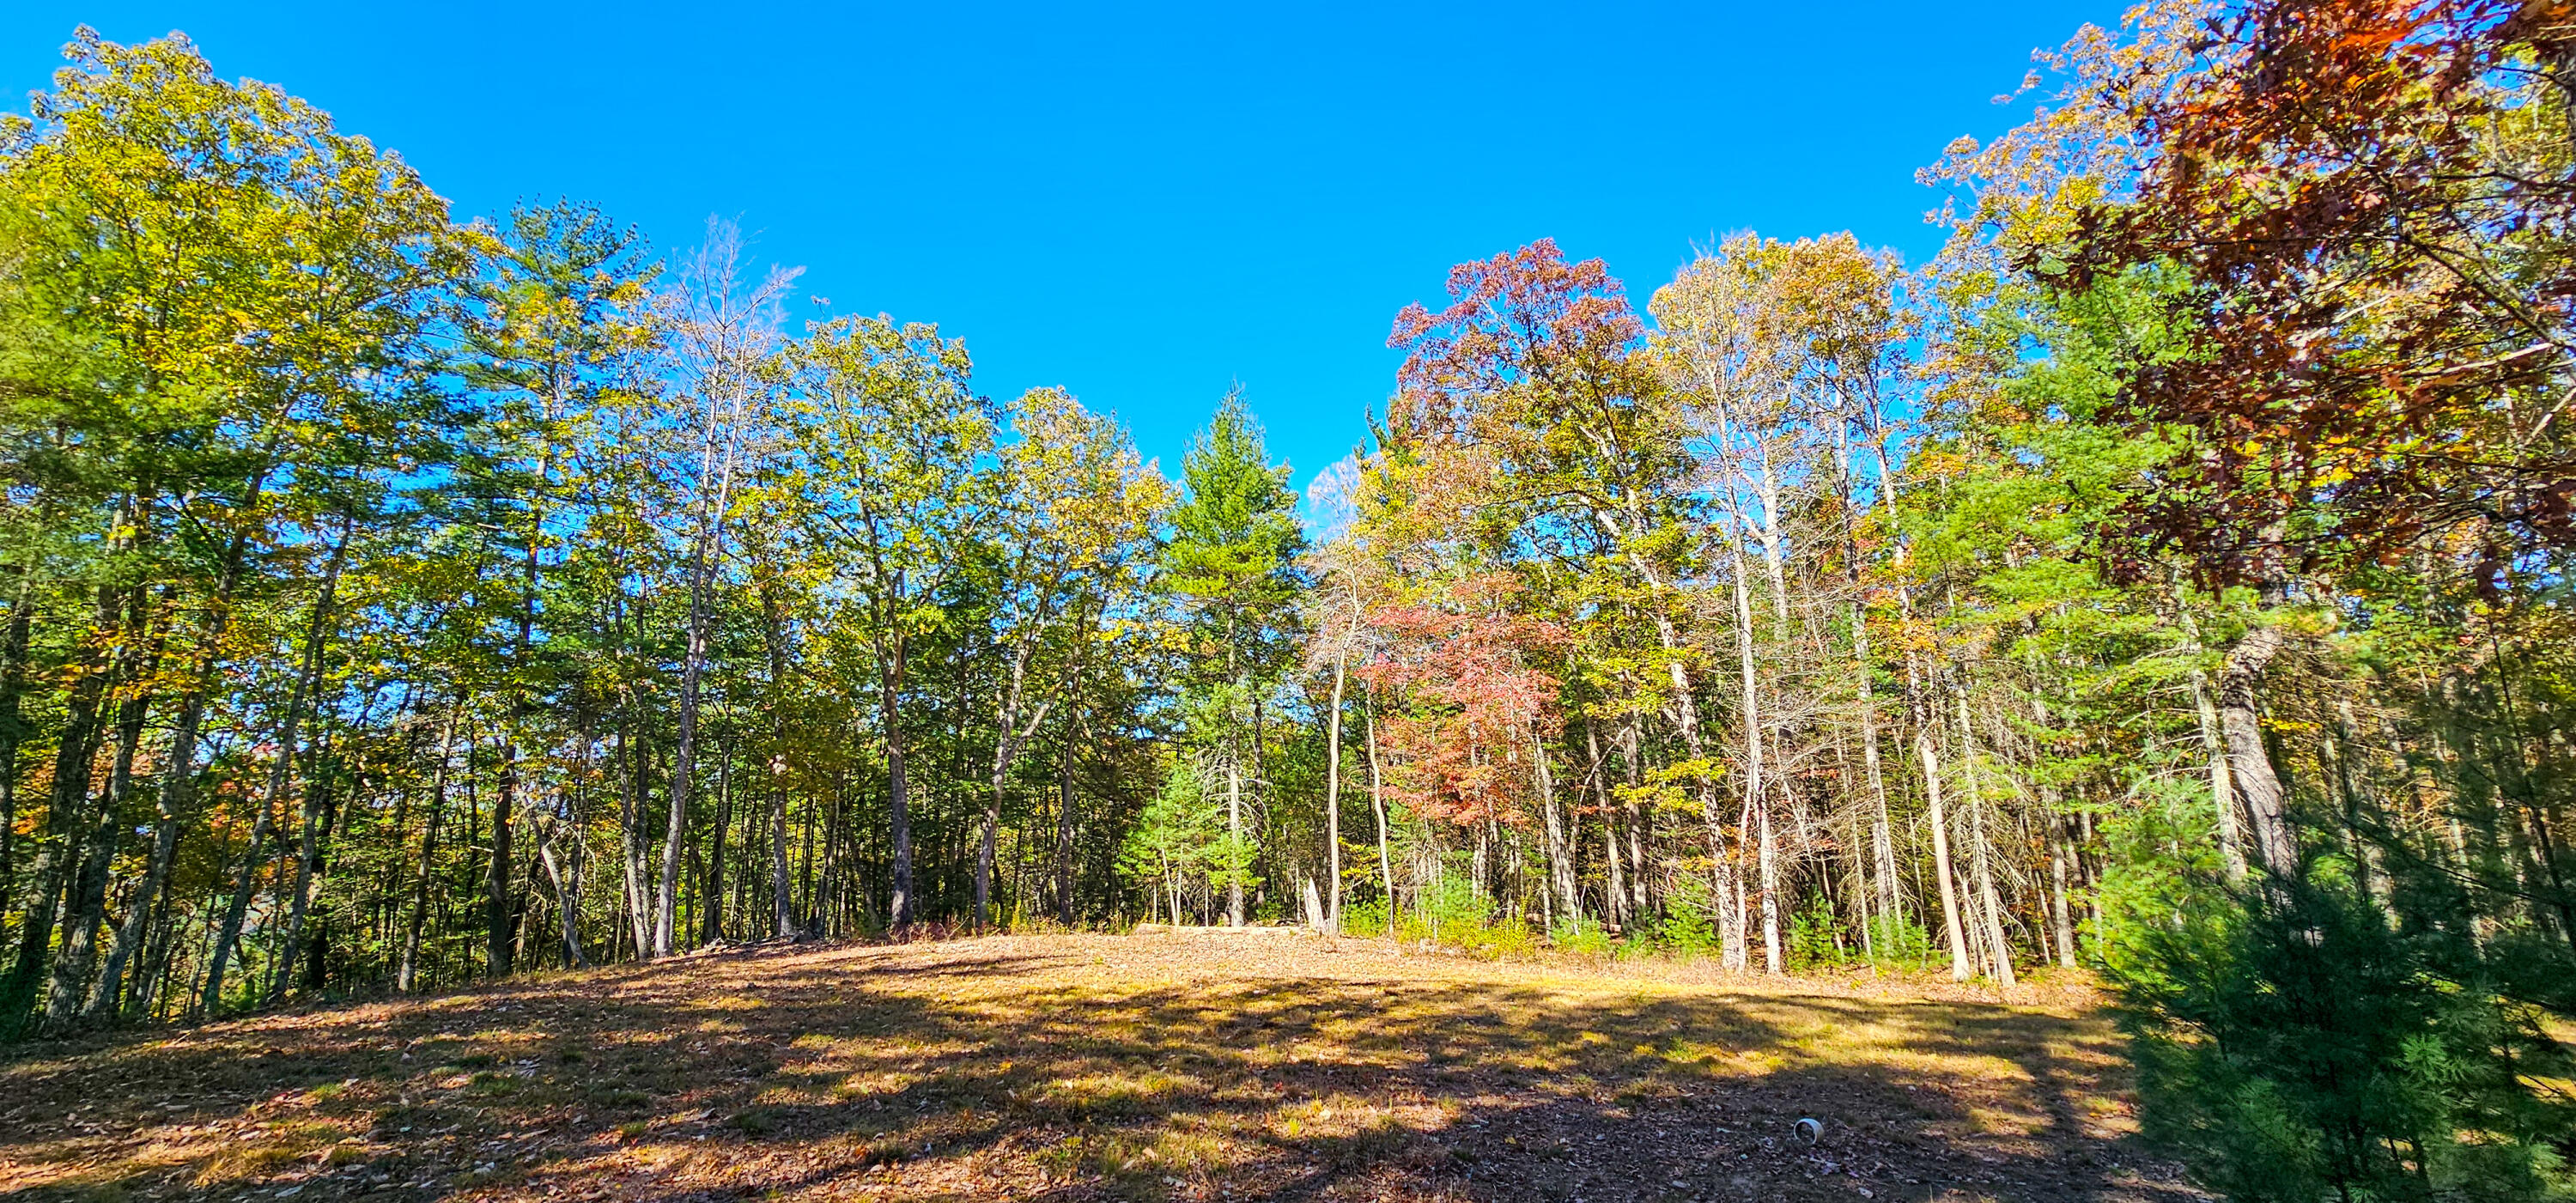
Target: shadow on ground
x=1088, y=1067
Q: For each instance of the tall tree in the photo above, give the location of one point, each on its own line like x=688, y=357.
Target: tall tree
x=1232, y=560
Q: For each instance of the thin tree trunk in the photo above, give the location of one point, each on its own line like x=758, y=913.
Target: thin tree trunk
x=567, y=894
x=666, y=885
x=1064, y=831
x=1377, y=803
x=308, y=863
x=1979, y=861
x=1234, y=832
x=174, y=801
x=2058, y=916
x=782, y=899
x=280, y=776
x=714, y=905
x=13, y=687
x=1560, y=850
x=1333, y=785
x=66, y=814
x=1010, y=735
x=631, y=838
x=898, y=800
x=2222, y=794
x=1927, y=753
x=500, y=906
x=1614, y=910
x=406, y=976
x=66, y=1001
x=1754, y=802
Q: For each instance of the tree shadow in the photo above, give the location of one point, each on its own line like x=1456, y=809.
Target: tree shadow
x=1013, y=1069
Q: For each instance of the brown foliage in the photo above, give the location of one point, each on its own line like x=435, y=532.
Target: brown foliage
x=2369, y=204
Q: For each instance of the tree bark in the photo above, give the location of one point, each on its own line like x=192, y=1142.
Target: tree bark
x=2057, y=912
x=406, y=974
x=898, y=799
x=1377, y=802
x=66, y=813
x=693, y=664
x=1010, y=736
x=1754, y=802
x=65, y=1003
x=308, y=867
x=2249, y=763
x=13, y=687
x=1927, y=753
x=1560, y=850
x=281, y=774
x=174, y=802
x=500, y=907
x=782, y=902
x=1333, y=786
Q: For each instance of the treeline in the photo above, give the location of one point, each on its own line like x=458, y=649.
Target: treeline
x=395, y=601
x=2168, y=580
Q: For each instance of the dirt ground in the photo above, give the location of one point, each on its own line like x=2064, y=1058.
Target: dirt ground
x=1069, y=1067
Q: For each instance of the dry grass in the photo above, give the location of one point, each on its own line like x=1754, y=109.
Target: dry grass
x=1077, y=1067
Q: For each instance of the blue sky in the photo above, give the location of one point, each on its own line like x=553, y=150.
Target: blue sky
x=1146, y=203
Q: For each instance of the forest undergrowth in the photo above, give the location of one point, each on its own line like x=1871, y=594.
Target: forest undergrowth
x=1066, y=1066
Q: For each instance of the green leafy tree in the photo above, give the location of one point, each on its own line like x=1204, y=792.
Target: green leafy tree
x=1232, y=560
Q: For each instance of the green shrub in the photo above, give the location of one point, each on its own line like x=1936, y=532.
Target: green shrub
x=1364, y=920
x=1895, y=940
x=1582, y=935
x=1451, y=912
x=1689, y=927
x=2297, y=1041
x=1815, y=938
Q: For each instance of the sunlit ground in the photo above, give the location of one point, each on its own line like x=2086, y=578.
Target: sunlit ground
x=1070, y=1067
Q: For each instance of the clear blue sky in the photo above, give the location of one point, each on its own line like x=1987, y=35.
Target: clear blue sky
x=1143, y=204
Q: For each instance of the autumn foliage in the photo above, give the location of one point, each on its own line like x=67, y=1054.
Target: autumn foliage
x=2356, y=210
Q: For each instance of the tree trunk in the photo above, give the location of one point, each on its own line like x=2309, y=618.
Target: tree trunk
x=693, y=666
x=1755, y=803
x=308, y=864
x=713, y=921
x=2249, y=764
x=898, y=800
x=1010, y=735
x=1333, y=788
x=67, y=1000
x=1927, y=753
x=567, y=894
x=66, y=813
x=2058, y=916
x=500, y=907
x=782, y=901
x=13, y=686
x=1064, y=831
x=1234, y=835
x=1560, y=850
x=406, y=975
x=281, y=775
x=1614, y=910
x=1377, y=803
x=1979, y=861
x=174, y=801
x=1882, y=834
x=630, y=835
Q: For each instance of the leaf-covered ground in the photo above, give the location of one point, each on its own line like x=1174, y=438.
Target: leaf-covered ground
x=1176, y=1066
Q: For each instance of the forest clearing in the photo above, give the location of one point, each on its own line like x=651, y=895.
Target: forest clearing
x=493, y=705
x=1090, y=1066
